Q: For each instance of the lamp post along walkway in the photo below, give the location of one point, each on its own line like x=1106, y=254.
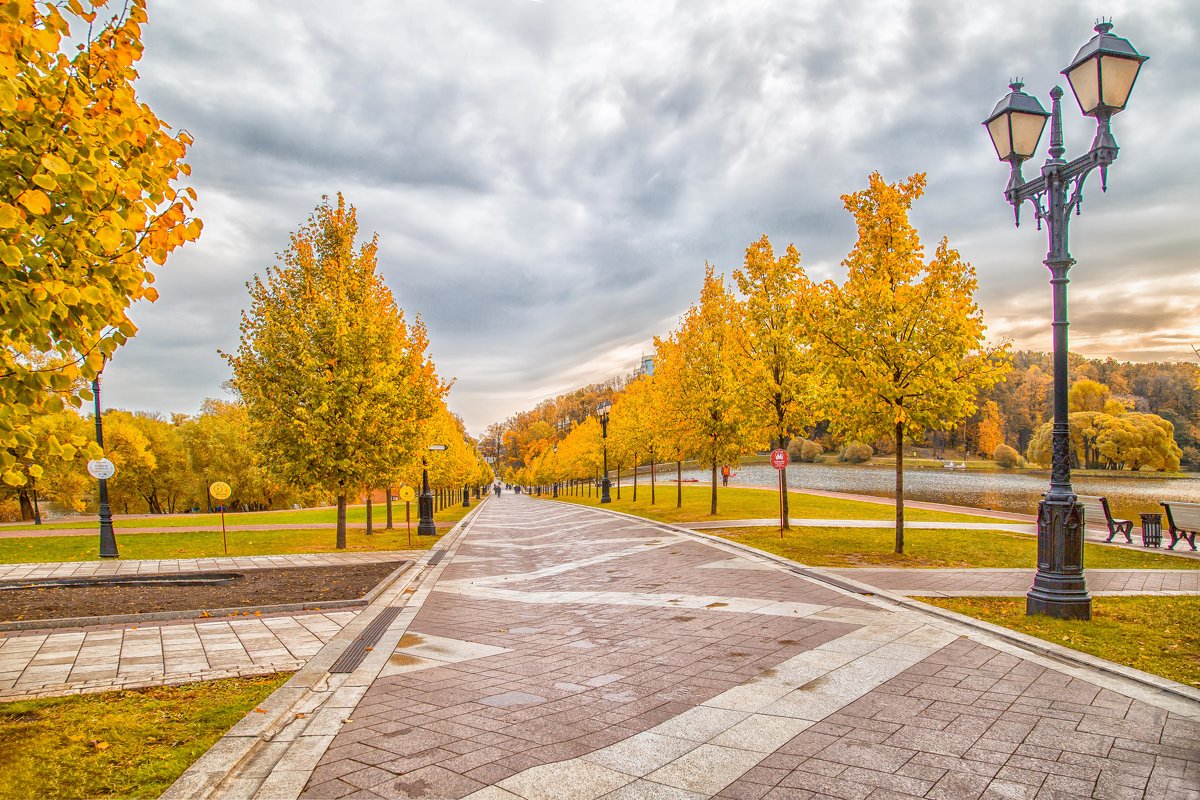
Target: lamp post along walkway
x=1101, y=76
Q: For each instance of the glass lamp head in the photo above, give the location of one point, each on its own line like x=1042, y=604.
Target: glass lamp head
x=1015, y=125
x=1103, y=72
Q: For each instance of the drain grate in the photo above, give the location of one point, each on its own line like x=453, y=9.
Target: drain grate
x=357, y=651
x=437, y=556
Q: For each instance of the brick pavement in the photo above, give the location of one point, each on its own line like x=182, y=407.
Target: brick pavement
x=1016, y=582
x=561, y=652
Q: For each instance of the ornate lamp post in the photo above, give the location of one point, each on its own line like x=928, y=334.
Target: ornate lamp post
x=108, y=539
x=425, y=501
x=602, y=412
x=1101, y=76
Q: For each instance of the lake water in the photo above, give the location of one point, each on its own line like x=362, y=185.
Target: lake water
x=1000, y=491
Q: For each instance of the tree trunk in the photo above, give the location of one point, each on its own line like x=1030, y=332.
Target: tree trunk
x=714, y=489
x=635, y=472
x=370, y=520
x=26, y=504
x=679, y=484
x=786, y=513
x=899, y=487
x=618, y=481
x=651, y=476
x=37, y=511
x=207, y=496
x=341, y=521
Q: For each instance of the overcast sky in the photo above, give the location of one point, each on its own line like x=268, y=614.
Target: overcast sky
x=548, y=178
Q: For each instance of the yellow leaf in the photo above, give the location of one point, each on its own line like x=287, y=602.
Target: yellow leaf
x=109, y=238
x=101, y=745
x=9, y=216
x=37, y=202
x=55, y=164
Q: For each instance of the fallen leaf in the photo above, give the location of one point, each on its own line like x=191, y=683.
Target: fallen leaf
x=76, y=738
x=260, y=711
x=300, y=715
x=101, y=745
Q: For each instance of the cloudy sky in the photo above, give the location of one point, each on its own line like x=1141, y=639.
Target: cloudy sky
x=548, y=178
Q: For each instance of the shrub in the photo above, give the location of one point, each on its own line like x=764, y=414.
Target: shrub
x=795, y=449
x=857, y=453
x=1006, y=456
x=810, y=451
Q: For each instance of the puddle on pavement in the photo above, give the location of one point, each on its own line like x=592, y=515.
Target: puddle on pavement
x=716, y=605
x=409, y=640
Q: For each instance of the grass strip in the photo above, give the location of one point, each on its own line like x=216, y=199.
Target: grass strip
x=873, y=547
x=743, y=503
x=328, y=514
x=1153, y=634
x=118, y=744
x=208, y=544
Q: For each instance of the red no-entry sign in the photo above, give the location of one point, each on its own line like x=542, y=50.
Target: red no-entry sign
x=779, y=458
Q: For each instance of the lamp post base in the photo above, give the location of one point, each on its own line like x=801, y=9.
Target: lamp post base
x=1059, y=589
x=425, y=506
x=605, y=497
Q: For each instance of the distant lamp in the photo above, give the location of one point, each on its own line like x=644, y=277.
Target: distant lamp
x=426, y=526
x=602, y=411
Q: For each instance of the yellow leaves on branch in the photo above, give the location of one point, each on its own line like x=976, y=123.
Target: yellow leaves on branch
x=88, y=196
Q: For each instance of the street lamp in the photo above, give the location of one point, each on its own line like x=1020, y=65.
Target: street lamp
x=1101, y=76
x=108, y=539
x=602, y=412
x=425, y=502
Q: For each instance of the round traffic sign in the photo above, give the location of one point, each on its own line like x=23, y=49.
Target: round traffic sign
x=101, y=469
x=220, y=490
x=407, y=494
x=779, y=458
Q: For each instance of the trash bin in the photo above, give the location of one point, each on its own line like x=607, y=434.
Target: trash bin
x=1151, y=530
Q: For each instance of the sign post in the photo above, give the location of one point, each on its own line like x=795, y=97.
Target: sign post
x=407, y=494
x=779, y=460
x=221, y=491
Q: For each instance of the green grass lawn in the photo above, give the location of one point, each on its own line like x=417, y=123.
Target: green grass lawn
x=304, y=516
x=1154, y=634
x=118, y=744
x=873, y=547
x=742, y=503
x=206, y=544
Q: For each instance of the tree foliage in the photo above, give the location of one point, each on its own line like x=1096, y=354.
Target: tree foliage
x=900, y=343
x=337, y=384
x=88, y=196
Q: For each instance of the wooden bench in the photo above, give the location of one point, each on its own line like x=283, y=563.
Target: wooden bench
x=1183, y=522
x=1096, y=507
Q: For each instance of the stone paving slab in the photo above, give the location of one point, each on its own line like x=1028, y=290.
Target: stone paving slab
x=564, y=652
x=1016, y=582
x=45, y=663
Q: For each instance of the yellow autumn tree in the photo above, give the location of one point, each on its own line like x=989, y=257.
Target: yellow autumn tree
x=88, y=196
x=900, y=344
x=702, y=386
x=338, y=386
x=778, y=380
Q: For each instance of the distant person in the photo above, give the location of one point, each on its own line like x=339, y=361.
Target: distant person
x=496, y=489
x=725, y=475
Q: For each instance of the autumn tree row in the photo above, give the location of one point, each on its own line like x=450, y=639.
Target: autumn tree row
x=895, y=350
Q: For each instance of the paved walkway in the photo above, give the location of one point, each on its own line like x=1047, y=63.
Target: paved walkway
x=1016, y=582
x=33, y=532
x=43, y=663
x=553, y=652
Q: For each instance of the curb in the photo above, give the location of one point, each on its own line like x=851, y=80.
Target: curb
x=1023, y=641
x=206, y=614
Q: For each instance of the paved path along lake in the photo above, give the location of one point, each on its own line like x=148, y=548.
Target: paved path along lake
x=552, y=652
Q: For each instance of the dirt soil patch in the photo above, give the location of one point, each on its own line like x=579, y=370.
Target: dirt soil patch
x=254, y=589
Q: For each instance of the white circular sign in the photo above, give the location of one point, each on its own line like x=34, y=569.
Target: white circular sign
x=101, y=469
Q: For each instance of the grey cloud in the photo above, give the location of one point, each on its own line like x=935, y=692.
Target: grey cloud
x=547, y=179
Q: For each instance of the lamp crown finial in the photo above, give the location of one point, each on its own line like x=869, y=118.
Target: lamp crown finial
x=1016, y=84
x=1103, y=25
